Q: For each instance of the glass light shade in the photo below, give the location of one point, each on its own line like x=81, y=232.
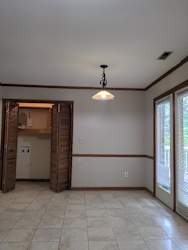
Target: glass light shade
x=103, y=95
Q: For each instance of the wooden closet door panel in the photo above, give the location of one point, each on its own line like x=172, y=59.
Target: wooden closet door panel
x=10, y=146
x=65, y=145
x=61, y=147
x=54, y=149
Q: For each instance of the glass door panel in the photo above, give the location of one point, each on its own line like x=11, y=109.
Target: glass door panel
x=182, y=154
x=164, y=158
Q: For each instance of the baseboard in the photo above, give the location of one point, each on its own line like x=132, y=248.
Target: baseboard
x=149, y=191
x=106, y=188
x=92, y=188
x=33, y=180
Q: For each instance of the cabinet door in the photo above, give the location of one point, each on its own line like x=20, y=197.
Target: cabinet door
x=10, y=146
x=61, y=148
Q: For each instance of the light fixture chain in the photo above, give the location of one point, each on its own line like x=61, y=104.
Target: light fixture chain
x=103, y=81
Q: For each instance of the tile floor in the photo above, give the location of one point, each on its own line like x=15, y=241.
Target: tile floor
x=34, y=218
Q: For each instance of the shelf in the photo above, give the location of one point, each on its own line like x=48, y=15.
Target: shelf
x=28, y=131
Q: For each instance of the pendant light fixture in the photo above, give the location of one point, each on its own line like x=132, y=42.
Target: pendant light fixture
x=103, y=95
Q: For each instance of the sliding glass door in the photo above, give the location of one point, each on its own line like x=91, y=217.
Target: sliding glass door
x=182, y=153
x=164, y=146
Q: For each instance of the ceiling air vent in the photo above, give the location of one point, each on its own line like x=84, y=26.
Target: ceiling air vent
x=165, y=55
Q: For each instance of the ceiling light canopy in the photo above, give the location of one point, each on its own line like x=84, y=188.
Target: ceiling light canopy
x=103, y=95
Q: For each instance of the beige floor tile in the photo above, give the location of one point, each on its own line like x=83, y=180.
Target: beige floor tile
x=161, y=245
x=177, y=231
x=19, y=235
x=44, y=246
x=3, y=234
x=51, y=222
x=99, y=222
x=76, y=206
x=70, y=234
x=37, y=205
x=148, y=233
x=128, y=217
x=18, y=206
x=97, y=212
x=120, y=222
x=75, y=213
x=54, y=212
x=30, y=219
x=127, y=233
x=74, y=245
x=103, y=245
x=47, y=235
x=181, y=243
x=75, y=223
x=133, y=245
x=102, y=234
x=13, y=246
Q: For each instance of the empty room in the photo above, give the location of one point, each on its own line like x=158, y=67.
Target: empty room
x=93, y=125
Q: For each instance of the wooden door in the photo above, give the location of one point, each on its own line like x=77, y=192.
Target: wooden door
x=61, y=148
x=10, y=146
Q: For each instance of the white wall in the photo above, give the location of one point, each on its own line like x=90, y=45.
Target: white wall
x=34, y=164
x=167, y=83
x=115, y=127
x=124, y=126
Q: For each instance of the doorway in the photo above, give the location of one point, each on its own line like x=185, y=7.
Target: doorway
x=37, y=143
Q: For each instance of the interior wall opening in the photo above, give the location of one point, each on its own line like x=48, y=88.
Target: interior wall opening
x=34, y=142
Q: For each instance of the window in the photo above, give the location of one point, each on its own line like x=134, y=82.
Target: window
x=163, y=146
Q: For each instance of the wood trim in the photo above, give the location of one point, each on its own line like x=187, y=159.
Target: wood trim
x=172, y=90
x=71, y=146
x=149, y=157
x=36, y=100
x=174, y=150
x=32, y=180
x=154, y=148
x=114, y=155
x=107, y=188
x=2, y=141
x=149, y=191
x=174, y=68
x=67, y=87
x=170, y=71
x=42, y=108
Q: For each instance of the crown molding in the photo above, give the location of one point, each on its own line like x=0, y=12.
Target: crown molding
x=170, y=71
x=66, y=87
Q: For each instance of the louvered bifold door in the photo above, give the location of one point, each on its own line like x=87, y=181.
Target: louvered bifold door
x=54, y=149
x=61, y=155
x=10, y=146
x=182, y=153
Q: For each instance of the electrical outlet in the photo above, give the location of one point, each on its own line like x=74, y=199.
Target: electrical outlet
x=125, y=173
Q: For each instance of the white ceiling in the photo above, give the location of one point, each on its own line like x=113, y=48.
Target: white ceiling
x=64, y=41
